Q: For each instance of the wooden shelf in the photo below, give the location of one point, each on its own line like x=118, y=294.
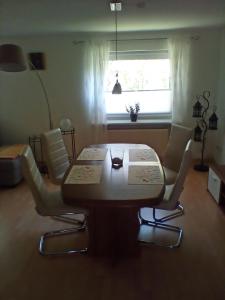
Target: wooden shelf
x=219, y=170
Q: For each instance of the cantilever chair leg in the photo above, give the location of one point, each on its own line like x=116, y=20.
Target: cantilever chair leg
x=55, y=233
x=164, y=227
x=179, y=213
x=67, y=219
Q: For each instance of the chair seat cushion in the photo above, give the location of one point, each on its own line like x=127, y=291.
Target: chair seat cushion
x=54, y=205
x=170, y=176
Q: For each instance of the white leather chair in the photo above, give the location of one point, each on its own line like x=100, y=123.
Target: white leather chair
x=171, y=161
x=171, y=198
x=55, y=154
x=48, y=203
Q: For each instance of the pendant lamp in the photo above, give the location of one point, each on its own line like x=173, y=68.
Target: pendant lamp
x=116, y=6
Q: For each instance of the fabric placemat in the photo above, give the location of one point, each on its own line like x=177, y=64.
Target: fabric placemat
x=136, y=155
x=92, y=154
x=144, y=175
x=84, y=174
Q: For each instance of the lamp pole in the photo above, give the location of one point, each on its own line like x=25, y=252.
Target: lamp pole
x=44, y=93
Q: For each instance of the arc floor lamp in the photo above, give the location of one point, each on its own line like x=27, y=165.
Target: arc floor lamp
x=12, y=60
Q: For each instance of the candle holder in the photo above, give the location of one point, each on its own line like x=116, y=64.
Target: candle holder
x=200, y=112
x=116, y=155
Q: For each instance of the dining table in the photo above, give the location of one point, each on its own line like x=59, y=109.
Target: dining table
x=113, y=195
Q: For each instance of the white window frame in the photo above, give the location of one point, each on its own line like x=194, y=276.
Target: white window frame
x=147, y=49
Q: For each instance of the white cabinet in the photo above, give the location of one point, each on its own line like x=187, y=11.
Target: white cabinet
x=214, y=185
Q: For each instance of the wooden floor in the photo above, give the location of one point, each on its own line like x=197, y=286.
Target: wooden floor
x=196, y=270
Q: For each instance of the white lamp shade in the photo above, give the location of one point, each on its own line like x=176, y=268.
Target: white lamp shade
x=65, y=124
x=11, y=58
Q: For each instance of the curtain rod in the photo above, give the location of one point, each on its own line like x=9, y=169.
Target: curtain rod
x=124, y=40
x=143, y=39
x=193, y=37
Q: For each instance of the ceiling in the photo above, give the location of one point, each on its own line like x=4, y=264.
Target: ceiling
x=26, y=17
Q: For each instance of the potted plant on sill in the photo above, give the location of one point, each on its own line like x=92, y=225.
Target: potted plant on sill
x=133, y=111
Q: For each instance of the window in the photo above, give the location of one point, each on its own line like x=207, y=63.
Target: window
x=145, y=78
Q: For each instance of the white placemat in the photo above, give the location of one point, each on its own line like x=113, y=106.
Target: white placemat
x=144, y=175
x=92, y=154
x=136, y=155
x=84, y=174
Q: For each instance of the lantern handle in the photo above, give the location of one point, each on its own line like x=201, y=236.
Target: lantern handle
x=205, y=95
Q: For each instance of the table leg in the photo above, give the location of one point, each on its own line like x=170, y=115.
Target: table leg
x=113, y=231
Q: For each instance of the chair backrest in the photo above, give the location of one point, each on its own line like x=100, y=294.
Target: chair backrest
x=33, y=177
x=55, y=154
x=179, y=183
x=179, y=136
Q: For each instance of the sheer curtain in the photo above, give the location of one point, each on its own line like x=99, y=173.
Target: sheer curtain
x=96, y=56
x=180, y=57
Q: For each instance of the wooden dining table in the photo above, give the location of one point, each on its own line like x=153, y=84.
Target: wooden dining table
x=113, y=204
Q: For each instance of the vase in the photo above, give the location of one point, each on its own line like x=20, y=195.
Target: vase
x=133, y=117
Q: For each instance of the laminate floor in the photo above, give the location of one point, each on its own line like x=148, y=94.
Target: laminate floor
x=196, y=270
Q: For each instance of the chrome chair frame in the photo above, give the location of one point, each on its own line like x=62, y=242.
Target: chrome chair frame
x=48, y=235
x=170, y=216
x=65, y=218
x=156, y=224
x=170, y=201
x=50, y=204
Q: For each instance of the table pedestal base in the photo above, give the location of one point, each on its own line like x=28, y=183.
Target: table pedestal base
x=113, y=231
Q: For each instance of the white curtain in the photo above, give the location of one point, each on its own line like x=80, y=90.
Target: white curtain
x=180, y=58
x=96, y=56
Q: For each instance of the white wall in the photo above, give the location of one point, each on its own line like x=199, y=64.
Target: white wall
x=204, y=76
x=23, y=109
x=219, y=153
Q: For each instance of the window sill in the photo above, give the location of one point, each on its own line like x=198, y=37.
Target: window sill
x=140, y=124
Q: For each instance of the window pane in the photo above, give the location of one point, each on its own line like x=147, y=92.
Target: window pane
x=150, y=101
x=134, y=75
x=143, y=81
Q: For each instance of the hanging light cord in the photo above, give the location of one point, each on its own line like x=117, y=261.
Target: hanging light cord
x=116, y=29
x=117, y=87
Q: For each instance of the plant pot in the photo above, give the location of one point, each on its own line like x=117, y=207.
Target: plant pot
x=133, y=117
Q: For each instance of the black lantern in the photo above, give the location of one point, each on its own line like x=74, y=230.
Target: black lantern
x=197, y=110
x=213, y=122
x=198, y=134
x=200, y=111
